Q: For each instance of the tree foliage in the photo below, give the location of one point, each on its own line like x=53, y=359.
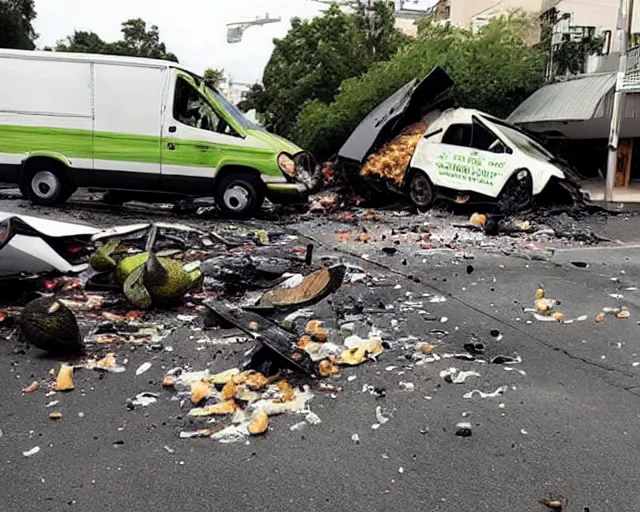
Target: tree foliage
x=16, y=29
x=494, y=71
x=570, y=57
x=137, y=41
x=214, y=75
x=315, y=56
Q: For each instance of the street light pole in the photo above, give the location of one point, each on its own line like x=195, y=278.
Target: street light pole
x=624, y=21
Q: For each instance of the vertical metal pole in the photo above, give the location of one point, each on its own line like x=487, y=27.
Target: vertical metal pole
x=618, y=100
x=630, y=23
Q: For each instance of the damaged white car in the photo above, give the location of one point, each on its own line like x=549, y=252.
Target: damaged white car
x=415, y=144
x=33, y=246
x=465, y=152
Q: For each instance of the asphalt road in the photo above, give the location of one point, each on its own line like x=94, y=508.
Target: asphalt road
x=567, y=427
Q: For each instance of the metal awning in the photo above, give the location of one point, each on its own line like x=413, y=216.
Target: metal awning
x=578, y=99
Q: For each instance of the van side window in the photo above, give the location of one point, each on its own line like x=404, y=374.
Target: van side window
x=192, y=109
x=458, y=135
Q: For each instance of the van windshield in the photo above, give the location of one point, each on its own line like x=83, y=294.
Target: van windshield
x=525, y=144
x=231, y=109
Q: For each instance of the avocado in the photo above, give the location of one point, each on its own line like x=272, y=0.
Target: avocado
x=135, y=290
x=128, y=265
x=102, y=260
x=51, y=326
x=158, y=281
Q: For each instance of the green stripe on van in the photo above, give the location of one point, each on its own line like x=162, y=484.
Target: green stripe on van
x=24, y=139
x=74, y=143
x=114, y=146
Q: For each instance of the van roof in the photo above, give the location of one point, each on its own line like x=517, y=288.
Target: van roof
x=89, y=57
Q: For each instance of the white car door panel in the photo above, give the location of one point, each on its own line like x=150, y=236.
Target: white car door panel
x=463, y=168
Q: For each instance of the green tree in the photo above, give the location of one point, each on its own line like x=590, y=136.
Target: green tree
x=255, y=99
x=570, y=57
x=494, y=71
x=137, y=41
x=16, y=29
x=214, y=75
x=82, y=42
x=315, y=56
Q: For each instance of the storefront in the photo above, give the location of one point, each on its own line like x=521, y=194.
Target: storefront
x=572, y=118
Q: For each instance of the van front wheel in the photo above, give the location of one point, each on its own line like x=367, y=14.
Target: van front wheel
x=240, y=194
x=48, y=185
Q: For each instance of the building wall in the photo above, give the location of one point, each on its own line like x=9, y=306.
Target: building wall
x=407, y=26
x=596, y=13
x=472, y=13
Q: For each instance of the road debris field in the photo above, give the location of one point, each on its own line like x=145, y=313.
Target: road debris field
x=306, y=347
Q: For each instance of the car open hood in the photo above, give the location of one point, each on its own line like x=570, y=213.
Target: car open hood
x=406, y=105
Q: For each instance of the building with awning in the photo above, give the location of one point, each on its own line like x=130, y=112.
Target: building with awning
x=573, y=117
x=578, y=108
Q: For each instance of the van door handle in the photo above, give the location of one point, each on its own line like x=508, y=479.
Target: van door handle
x=203, y=148
x=171, y=146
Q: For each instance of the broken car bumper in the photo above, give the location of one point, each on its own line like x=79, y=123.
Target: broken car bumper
x=280, y=189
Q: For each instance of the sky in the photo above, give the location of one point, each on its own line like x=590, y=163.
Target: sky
x=196, y=34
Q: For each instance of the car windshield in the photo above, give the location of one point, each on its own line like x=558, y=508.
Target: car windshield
x=525, y=144
x=231, y=109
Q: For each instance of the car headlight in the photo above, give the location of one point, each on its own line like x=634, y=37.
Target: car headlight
x=287, y=165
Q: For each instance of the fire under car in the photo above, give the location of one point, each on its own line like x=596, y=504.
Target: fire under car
x=416, y=144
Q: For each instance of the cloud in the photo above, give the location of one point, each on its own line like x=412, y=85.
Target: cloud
x=195, y=31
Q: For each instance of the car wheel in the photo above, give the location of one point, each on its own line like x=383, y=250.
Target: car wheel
x=421, y=190
x=517, y=193
x=240, y=194
x=48, y=185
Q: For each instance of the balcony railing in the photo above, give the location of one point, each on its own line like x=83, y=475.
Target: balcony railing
x=630, y=81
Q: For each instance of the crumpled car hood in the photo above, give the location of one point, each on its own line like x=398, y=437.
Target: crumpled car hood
x=25, y=244
x=408, y=104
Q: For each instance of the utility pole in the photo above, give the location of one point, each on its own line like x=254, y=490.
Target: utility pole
x=625, y=19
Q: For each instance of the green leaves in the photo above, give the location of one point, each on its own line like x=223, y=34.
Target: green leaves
x=314, y=58
x=494, y=71
x=137, y=42
x=16, y=29
x=569, y=57
x=215, y=76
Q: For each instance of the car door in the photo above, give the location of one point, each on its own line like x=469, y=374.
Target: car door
x=469, y=157
x=195, y=140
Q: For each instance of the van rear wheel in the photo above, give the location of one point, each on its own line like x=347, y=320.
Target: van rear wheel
x=47, y=184
x=240, y=194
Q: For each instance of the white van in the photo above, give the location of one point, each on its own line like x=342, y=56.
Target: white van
x=120, y=123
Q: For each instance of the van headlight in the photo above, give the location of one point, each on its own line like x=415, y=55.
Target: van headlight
x=287, y=165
